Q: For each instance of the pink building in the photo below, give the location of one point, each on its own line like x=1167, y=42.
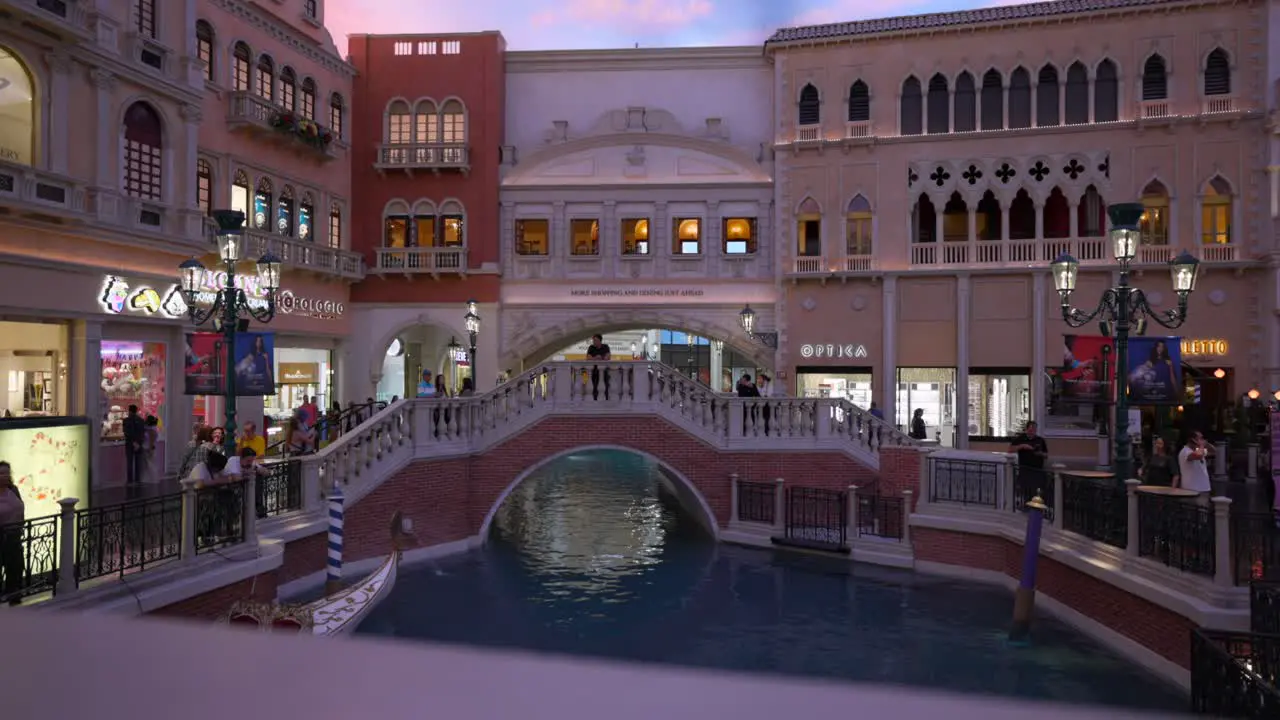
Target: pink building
x=929, y=170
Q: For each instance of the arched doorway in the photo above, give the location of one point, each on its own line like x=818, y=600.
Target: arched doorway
x=17, y=110
x=420, y=347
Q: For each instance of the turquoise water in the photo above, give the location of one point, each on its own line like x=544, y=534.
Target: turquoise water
x=590, y=556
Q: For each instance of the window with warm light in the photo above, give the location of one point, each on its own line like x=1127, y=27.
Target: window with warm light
x=424, y=230
x=399, y=124
x=204, y=186
x=265, y=78
x=1154, y=225
x=288, y=89
x=335, y=115
x=307, y=106
x=395, y=233
x=635, y=236
x=809, y=236
x=335, y=227
x=858, y=227
x=204, y=47
x=739, y=236
x=584, y=237
x=1215, y=213
x=452, y=231
x=241, y=58
x=532, y=236
x=240, y=193
x=686, y=236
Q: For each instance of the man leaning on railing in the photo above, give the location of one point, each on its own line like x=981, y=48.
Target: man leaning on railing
x=12, y=513
x=1032, y=452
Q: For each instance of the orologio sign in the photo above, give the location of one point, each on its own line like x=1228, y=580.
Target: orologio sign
x=291, y=304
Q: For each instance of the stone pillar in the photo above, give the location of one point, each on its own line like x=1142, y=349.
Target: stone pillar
x=1222, y=570
x=66, y=547
x=84, y=386
x=58, y=145
x=109, y=138
x=1037, y=391
x=717, y=367
x=963, y=296
x=250, y=508
x=1039, y=214
x=851, y=519
x=733, y=499
x=1131, y=493
x=1073, y=218
x=1004, y=222
x=1057, y=493
x=1221, y=454
x=939, y=228
x=779, y=506
x=886, y=386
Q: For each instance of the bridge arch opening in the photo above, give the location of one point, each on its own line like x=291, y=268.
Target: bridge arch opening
x=545, y=491
x=419, y=346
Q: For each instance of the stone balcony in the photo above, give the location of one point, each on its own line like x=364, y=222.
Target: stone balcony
x=431, y=157
x=64, y=18
x=251, y=113
x=433, y=261
x=35, y=192
x=299, y=254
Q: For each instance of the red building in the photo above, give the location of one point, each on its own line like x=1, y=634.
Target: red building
x=427, y=126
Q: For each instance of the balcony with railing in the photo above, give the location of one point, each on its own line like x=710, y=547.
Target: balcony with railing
x=299, y=254
x=858, y=130
x=1153, y=109
x=1088, y=250
x=61, y=17
x=432, y=261
x=809, y=133
x=249, y=112
x=809, y=265
x=435, y=157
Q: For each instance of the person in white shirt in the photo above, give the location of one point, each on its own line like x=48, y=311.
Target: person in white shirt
x=1191, y=465
x=209, y=472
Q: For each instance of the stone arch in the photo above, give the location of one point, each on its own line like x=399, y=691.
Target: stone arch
x=440, y=330
x=744, y=166
x=1220, y=185
x=689, y=492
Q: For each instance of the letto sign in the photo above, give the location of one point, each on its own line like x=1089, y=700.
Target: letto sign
x=833, y=351
x=120, y=297
x=1204, y=348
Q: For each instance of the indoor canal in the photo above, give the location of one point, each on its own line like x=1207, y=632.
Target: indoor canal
x=593, y=555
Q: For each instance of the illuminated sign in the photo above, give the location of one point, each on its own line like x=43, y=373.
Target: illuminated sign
x=291, y=304
x=1213, y=347
x=460, y=355
x=119, y=297
x=833, y=351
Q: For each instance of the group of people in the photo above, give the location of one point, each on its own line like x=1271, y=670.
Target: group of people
x=435, y=386
x=140, y=438
x=206, y=461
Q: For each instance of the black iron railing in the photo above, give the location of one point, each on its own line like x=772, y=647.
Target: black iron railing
x=1033, y=482
x=817, y=518
x=127, y=537
x=1096, y=510
x=1233, y=674
x=330, y=427
x=1255, y=547
x=1176, y=532
x=879, y=516
x=279, y=490
x=1264, y=607
x=967, y=482
x=219, y=516
x=756, y=501
x=29, y=558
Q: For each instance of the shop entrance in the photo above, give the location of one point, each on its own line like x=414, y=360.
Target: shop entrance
x=418, y=348
x=301, y=373
x=709, y=361
x=33, y=359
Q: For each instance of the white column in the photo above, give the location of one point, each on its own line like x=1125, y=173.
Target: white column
x=711, y=233
x=1004, y=221
x=886, y=385
x=1039, y=220
x=84, y=386
x=106, y=171
x=1038, y=363
x=963, y=289
x=1073, y=218
x=1274, y=172
x=58, y=145
x=185, y=190
x=610, y=239
x=717, y=367
x=939, y=227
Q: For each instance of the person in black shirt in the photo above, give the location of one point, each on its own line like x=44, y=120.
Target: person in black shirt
x=135, y=436
x=1032, y=452
x=599, y=351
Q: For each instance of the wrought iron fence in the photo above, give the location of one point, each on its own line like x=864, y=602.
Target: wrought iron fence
x=1234, y=674
x=29, y=558
x=756, y=501
x=130, y=536
x=280, y=489
x=1096, y=510
x=1255, y=547
x=1264, y=607
x=1032, y=482
x=1176, y=532
x=879, y=516
x=817, y=518
x=219, y=516
x=967, y=482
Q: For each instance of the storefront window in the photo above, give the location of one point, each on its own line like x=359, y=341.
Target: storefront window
x=999, y=402
x=845, y=383
x=300, y=374
x=133, y=373
x=932, y=390
x=33, y=363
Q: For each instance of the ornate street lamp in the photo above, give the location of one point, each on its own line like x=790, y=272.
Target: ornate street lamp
x=1125, y=307
x=453, y=347
x=472, y=321
x=230, y=310
x=748, y=320
x=718, y=345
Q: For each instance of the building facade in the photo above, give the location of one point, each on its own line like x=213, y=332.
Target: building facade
x=928, y=172
x=637, y=195
x=428, y=115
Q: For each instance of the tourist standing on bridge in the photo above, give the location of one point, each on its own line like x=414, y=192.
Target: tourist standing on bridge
x=12, y=513
x=599, y=351
x=426, y=388
x=1032, y=452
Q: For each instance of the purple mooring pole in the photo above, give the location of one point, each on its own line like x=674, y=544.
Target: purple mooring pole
x=1024, y=601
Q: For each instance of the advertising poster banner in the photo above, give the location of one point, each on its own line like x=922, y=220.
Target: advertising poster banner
x=1081, y=376
x=1155, y=371
x=255, y=364
x=205, y=358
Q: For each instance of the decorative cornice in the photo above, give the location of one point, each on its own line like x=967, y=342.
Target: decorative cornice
x=103, y=79
x=289, y=36
x=693, y=58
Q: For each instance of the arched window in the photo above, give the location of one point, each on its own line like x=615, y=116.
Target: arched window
x=1155, y=79
x=424, y=227
x=284, y=211
x=859, y=102
x=453, y=225
x=1047, y=97
x=307, y=106
x=204, y=47
x=955, y=219
x=1155, y=217
x=988, y=217
x=335, y=226
x=426, y=122
x=939, y=110
x=17, y=110
x=288, y=89
x=858, y=227
x=926, y=220
x=241, y=59
x=1022, y=217
x=1020, y=98
x=265, y=78
x=335, y=115
x=399, y=130
x=204, y=186
x=911, y=108
x=1217, y=73
x=810, y=108
x=1057, y=215
x=1077, y=95
x=809, y=229
x=992, y=100
x=1215, y=213
x=395, y=225
x=240, y=195
x=144, y=18
x=453, y=131
x=1106, y=93
x=966, y=104
x=143, y=152
x=262, y=208
x=1091, y=214
x=306, y=216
